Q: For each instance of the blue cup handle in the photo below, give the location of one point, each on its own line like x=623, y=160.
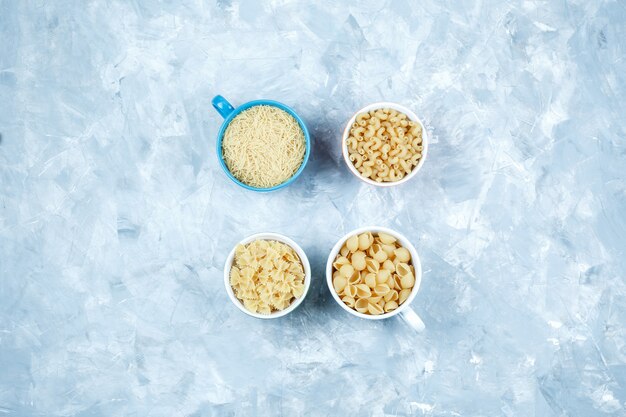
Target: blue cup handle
x=222, y=106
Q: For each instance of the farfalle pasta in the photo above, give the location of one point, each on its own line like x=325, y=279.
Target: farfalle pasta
x=384, y=145
x=266, y=276
x=373, y=273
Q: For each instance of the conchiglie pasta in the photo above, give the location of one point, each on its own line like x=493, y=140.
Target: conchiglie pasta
x=380, y=256
x=372, y=265
x=390, y=306
x=363, y=291
x=381, y=289
x=386, y=239
x=346, y=270
x=349, y=301
x=340, y=261
x=372, y=274
x=375, y=299
x=389, y=265
x=374, y=309
x=390, y=282
x=352, y=244
x=339, y=283
x=355, y=278
x=389, y=250
x=361, y=305
x=365, y=241
x=350, y=290
x=408, y=281
x=358, y=260
x=403, y=295
x=382, y=276
x=403, y=269
x=397, y=282
x=391, y=295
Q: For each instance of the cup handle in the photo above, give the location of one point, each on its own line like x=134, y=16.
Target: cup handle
x=410, y=317
x=223, y=107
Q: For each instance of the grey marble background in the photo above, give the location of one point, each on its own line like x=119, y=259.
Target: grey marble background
x=115, y=218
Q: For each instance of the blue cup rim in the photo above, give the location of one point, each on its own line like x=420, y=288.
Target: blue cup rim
x=246, y=106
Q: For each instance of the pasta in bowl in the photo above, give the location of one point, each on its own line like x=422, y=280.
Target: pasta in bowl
x=267, y=275
x=384, y=144
x=374, y=273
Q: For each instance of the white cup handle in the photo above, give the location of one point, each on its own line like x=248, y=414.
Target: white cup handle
x=410, y=317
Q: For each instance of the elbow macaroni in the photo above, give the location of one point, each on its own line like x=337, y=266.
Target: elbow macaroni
x=373, y=274
x=388, y=141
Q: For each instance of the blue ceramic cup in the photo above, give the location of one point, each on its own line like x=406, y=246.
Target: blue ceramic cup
x=228, y=112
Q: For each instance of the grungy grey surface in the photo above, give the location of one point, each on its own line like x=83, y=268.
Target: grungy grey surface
x=115, y=218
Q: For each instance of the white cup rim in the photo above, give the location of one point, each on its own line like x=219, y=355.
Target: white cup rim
x=381, y=105
x=279, y=238
x=415, y=259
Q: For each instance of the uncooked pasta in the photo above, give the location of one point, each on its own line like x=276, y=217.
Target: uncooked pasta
x=373, y=274
x=266, y=276
x=384, y=145
x=263, y=146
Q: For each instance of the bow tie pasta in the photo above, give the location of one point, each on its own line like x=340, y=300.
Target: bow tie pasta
x=266, y=276
x=373, y=274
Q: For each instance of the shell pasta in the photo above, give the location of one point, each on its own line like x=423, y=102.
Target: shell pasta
x=266, y=276
x=373, y=273
x=384, y=145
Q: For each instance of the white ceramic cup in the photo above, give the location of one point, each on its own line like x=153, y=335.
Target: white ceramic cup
x=279, y=238
x=405, y=311
x=376, y=106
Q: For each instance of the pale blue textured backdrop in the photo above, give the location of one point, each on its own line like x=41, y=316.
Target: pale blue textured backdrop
x=115, y=218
